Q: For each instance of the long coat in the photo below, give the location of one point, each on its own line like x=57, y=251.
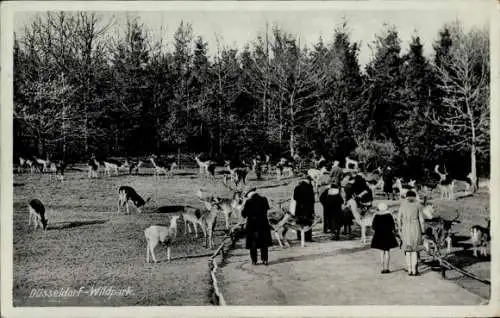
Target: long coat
x=411, y=225
x=388, y=178
x=332, y=209
x=303, y=194
x=258, y=229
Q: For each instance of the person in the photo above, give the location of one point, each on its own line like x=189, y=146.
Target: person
x=384, y=237
x=303, y=195
x=336, y=173
x=258, y=230
x=388, y=178
x=332, y=210
x=411, y=226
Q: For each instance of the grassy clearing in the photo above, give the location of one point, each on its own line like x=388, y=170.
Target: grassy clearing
x=88, y=244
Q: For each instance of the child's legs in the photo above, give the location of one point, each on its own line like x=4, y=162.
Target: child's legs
x=408, y=261
x=387, y=259
x=414, y=262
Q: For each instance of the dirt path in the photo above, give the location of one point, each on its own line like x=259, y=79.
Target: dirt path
x=334, y=273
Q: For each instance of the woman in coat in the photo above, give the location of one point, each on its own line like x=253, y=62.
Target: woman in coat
x=411, y=227
x=332, y=210
x=258, y=229
x=303, y=194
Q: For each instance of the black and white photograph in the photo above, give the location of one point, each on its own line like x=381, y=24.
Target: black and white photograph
x=249, y=154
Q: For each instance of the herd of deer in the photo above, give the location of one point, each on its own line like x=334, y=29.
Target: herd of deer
x=205, y=217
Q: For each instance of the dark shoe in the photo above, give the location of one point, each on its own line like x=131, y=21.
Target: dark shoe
x=265, y=263
x=254, y=263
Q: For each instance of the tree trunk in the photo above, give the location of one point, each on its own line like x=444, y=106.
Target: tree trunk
x=64, y=132
x=473, y=169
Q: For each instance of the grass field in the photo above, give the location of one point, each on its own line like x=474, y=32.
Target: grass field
x=88, y=245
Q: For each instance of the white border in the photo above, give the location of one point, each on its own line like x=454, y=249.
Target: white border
x=7, y=13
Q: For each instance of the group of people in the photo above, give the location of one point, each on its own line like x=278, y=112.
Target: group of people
x=407, y=234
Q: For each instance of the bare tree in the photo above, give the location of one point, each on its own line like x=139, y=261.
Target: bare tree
x=464, y=80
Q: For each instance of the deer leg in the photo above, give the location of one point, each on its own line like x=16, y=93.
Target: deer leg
x=195, y=230
x=168, y=254
x=302, y=238
x=363, y=234
x=147, y=251
x=448, y=244
x=278, y=238
x=227, y=215
x=152, y=250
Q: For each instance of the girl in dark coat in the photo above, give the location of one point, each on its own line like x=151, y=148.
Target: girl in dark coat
x=384, y=237
x=332, y=210
x=258, y=229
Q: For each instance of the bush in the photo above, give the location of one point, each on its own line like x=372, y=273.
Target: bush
x=373, y=154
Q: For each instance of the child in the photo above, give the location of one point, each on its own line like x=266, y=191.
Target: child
x=384, y=237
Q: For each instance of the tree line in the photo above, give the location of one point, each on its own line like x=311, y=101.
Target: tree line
x=81, y=88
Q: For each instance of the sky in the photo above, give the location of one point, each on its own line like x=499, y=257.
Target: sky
x=237, y=27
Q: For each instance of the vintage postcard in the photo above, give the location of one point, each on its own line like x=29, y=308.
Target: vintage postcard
x=260, y=158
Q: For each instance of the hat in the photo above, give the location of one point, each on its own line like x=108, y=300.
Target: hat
x=382, y=207
x=411, y=194
x=247, y=194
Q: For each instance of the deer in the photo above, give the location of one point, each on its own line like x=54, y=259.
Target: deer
x=207, y=168
x=446, y=184
x=351, y=164
x=480, y=238
x=36, y=211
x=126, y=194
x=160, y=234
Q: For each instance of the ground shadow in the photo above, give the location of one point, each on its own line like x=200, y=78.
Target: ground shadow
x=342, y=251
x=169, y=209
x=465, y=258
x=68, y=225
x=458, y=241
x=270, y=186
x=184, y=174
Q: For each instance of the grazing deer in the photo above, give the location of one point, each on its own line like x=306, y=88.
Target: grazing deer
x=480, y=237
x=238, y=174
x=36, y=211
x=286, y=222
x=40, y=164
x=441, y=230
x=160, y=234
x=363, y=220
x=126, y=194
x=193, y=215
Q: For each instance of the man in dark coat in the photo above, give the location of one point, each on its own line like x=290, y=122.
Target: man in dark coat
x=303, y=195
x=257, y=228
x=336, y=173
x=332, y=210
